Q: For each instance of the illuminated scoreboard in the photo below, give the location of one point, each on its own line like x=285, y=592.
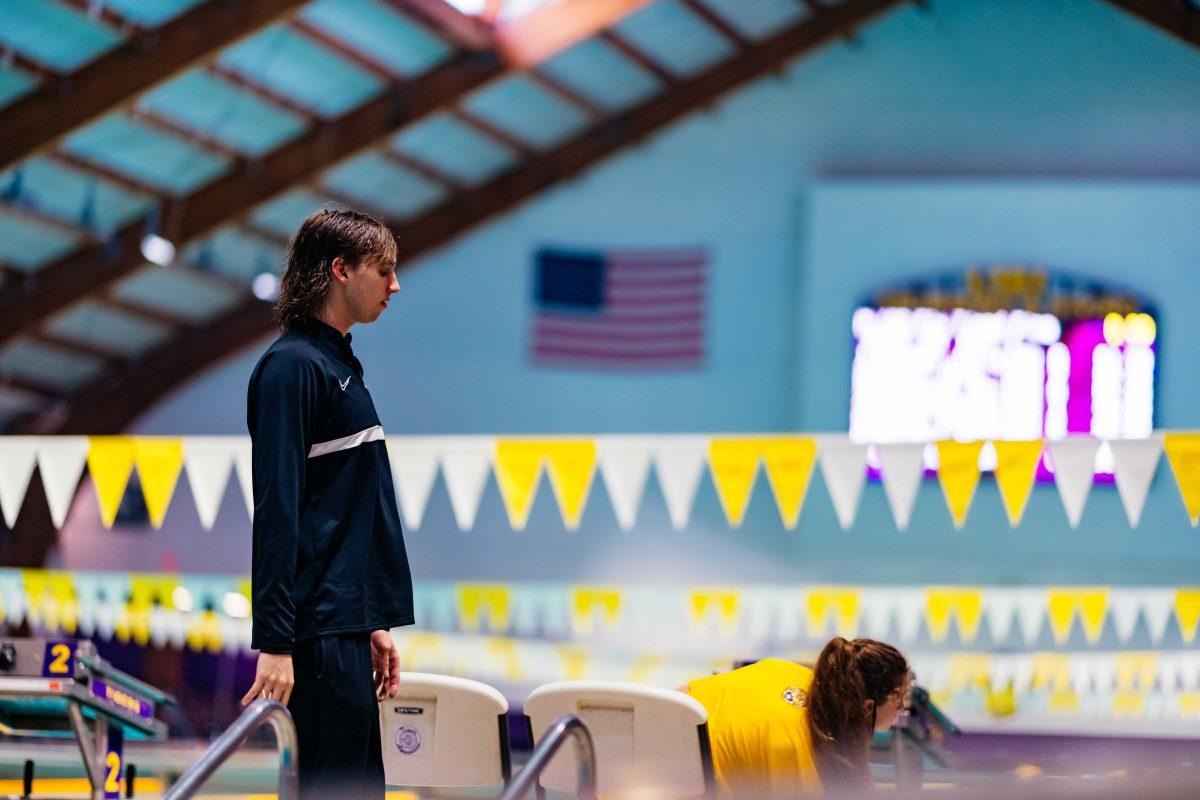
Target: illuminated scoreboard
x=974, y=364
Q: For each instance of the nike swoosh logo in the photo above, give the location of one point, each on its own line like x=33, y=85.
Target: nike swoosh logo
x=344, y=383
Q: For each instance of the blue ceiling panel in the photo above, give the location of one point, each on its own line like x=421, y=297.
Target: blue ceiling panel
x=92, y=321
x=198, y=101
x=383, y=185
x=389, y=38
x=53, y=35
x=27, y=245
x=675, y=37
x=151, y=13
x=235, y=253
x=180, y=291
x=293, y=66
x=284, y=214
x=74, y=196
x=14, y=84
x=760, y=18
x=49, y=365
x=147, y=154
x=454, y=148
x=596, y=70
x=517, y=105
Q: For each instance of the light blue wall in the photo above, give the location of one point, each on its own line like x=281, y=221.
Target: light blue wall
x=982, y=89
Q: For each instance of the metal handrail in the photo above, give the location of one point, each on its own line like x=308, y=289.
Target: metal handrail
x=567, y=725
x=259, y=713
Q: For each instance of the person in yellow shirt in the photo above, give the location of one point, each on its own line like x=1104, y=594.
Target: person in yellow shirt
x=779, y=729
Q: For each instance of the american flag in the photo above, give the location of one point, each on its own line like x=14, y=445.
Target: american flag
x=622, y=310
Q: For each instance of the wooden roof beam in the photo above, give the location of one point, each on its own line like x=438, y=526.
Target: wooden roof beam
x=92, y=269
x=1179, y=18
x=119, y=398
x=532, y=39
x=639, y=57
x=461, y=31
x=38, y=120
x=99, y=410
x=718, y=23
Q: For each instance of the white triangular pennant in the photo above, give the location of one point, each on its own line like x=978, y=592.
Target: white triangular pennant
x=466, y=461
x=843, y=464
x=903, y=468
x=1031, y=613
x=243, y=462
x=999, y=609
x=208, y=461
x=1157, y=605
x=18, y=456
x=1168, y=672
x=876, y=612
x=1080, y=672
x=61, y=460
x=679, y=460
x=1074, y=461
x=625, y=464
x=788, y=614
x=414, y=462
x=1124, y=606
x=909, y=605
x=1134, y=462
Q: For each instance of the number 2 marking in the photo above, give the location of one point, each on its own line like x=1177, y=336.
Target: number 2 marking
x=112, y=783
x=61, y=655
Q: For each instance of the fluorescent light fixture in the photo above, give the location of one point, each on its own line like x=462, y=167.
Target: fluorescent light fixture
x=158, y=250
x=235, y=605
x=182, y=599
x=265, y=286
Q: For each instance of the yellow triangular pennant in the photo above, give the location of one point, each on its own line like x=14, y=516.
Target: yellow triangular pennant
x=1183, y=451
x=476, y=601
x=1051, y=671
x=1092, y=605
x=937, y=612
x=110, y=463
x=842, y=602
x=703, y=602
x=945, y=604
x=1136, y=671
x=958, y=472
x=1061, y=609
x=504, y=652
x=734, y=464
x=585, y=601
x=1189, y=704
x=969, y=671
x=574, y=661
x=1129, y=704
x=1093, y=610
x=159, y=462
x=1016, y=467
x=571, y=466
x=518, y=467
x=789, y=464
x=1187, y=612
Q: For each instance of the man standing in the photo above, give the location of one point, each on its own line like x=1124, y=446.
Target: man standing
x=330, y=573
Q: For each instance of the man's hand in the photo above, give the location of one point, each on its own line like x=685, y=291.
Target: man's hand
x=385, y=663
x=273, y=679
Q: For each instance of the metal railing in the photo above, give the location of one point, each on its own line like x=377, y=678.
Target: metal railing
x=567, y=725
x=259, y=713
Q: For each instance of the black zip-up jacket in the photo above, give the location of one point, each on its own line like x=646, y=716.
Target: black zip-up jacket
x=328, y=554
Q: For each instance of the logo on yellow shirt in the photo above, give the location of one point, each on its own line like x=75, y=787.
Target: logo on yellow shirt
x=795, y=696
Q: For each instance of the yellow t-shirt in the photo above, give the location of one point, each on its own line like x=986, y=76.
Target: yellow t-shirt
x=758, y=725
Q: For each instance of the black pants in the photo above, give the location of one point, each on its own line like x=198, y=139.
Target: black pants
x=337, y=719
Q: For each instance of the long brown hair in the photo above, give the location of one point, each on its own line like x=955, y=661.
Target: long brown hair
x=323, y=237
x=847, y=674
